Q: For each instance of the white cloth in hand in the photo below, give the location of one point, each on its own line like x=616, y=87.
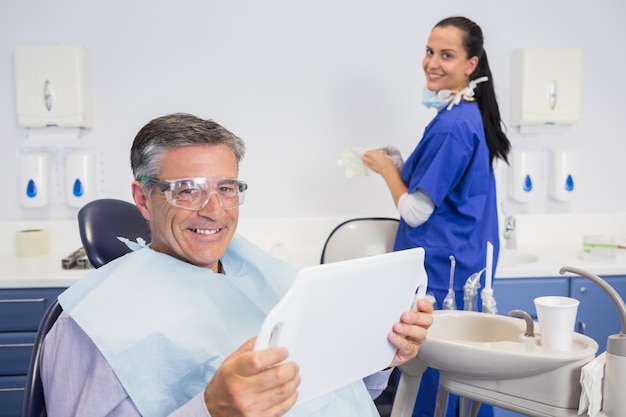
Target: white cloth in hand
x=352, y=160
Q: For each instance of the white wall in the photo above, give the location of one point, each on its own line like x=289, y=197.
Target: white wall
x=302, y=80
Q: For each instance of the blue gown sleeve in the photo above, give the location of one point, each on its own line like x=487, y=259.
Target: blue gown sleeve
x=442, y=163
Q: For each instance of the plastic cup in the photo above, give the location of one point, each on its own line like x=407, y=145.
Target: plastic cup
x=557, y=317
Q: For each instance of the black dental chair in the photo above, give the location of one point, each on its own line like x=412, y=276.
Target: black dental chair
x=100, y=222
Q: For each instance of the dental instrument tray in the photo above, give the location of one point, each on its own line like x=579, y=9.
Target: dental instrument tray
x=335, y=318
x=76, y=260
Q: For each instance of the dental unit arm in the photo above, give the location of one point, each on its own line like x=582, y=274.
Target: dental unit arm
x=613, y=404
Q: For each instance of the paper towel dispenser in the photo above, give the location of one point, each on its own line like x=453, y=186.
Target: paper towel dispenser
x=545, y=86
x=53, y=86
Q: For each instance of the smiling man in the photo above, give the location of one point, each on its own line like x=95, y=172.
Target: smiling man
x=168, y=330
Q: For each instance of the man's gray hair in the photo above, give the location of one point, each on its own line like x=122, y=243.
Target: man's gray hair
x=174, y=131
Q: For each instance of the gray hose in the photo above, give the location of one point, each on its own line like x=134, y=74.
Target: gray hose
x=619, y=303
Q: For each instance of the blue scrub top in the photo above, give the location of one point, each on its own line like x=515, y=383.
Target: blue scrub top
x=451, y=163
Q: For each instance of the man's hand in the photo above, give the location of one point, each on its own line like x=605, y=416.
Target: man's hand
x=253, y=384
x=410, y=332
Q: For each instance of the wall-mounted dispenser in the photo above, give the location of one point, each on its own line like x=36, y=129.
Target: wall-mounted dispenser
x=522, y=175
x=34, y=179
x=53, y=86
x=562, y=178
x=80, y=181
x=545, y=86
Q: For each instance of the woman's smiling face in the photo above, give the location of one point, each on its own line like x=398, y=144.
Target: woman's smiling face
x=446, y=65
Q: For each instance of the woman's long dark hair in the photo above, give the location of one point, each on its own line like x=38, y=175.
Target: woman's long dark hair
x=485, y=95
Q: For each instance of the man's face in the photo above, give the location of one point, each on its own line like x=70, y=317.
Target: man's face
x=199, y=237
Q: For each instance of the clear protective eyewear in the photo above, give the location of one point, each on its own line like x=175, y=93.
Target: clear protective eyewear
x=195, y=193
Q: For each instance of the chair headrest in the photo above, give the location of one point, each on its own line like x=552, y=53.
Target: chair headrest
x=101, y=222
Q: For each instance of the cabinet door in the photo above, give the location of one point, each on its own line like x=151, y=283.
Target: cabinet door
x=597, y=316
x=519, y=293
x=15, y=351
x=21, y=309
x=11, y=395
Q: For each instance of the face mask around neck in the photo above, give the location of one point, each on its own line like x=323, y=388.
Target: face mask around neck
x=437, y=100
x=443, y=98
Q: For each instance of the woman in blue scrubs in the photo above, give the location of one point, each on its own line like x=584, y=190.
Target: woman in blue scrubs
x=446, y=190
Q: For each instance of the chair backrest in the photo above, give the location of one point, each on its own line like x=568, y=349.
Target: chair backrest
x=356, y=238
x=34, y=404
x=101, y=222
x=359, y=237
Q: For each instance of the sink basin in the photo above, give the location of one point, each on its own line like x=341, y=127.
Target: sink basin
x=489, y=346
x=513, y=257
x=486, y=358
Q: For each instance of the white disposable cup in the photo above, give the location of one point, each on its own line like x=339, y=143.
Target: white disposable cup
x=557, y=317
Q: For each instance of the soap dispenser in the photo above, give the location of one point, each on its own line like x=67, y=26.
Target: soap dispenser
x=562, y=176
x=522, y=175
x=34, y=179
x=80, y=177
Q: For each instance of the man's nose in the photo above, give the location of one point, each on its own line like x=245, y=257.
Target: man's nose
x=213, y=203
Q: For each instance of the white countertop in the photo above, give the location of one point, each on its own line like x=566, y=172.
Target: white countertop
x=36, y=272
x=554, y=240
x=39, y=271
x=550, y=259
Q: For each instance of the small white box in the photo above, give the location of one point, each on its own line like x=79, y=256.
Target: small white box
x=597, y=247
x=545, y=86
x=53, y=86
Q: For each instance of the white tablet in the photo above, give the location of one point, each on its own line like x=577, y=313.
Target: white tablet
x=335, y=318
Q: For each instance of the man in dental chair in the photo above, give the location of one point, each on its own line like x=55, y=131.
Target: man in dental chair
x=168, y=330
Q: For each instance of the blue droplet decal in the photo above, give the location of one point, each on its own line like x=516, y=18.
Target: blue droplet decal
x=31, y=189
x=569, y=183
x=528, y=184
x=78, y=189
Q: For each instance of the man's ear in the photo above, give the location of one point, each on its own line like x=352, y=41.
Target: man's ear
x=142, y=201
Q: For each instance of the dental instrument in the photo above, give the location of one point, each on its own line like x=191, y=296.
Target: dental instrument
x=470, y=291
x=489, y=303
x=449, y=302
